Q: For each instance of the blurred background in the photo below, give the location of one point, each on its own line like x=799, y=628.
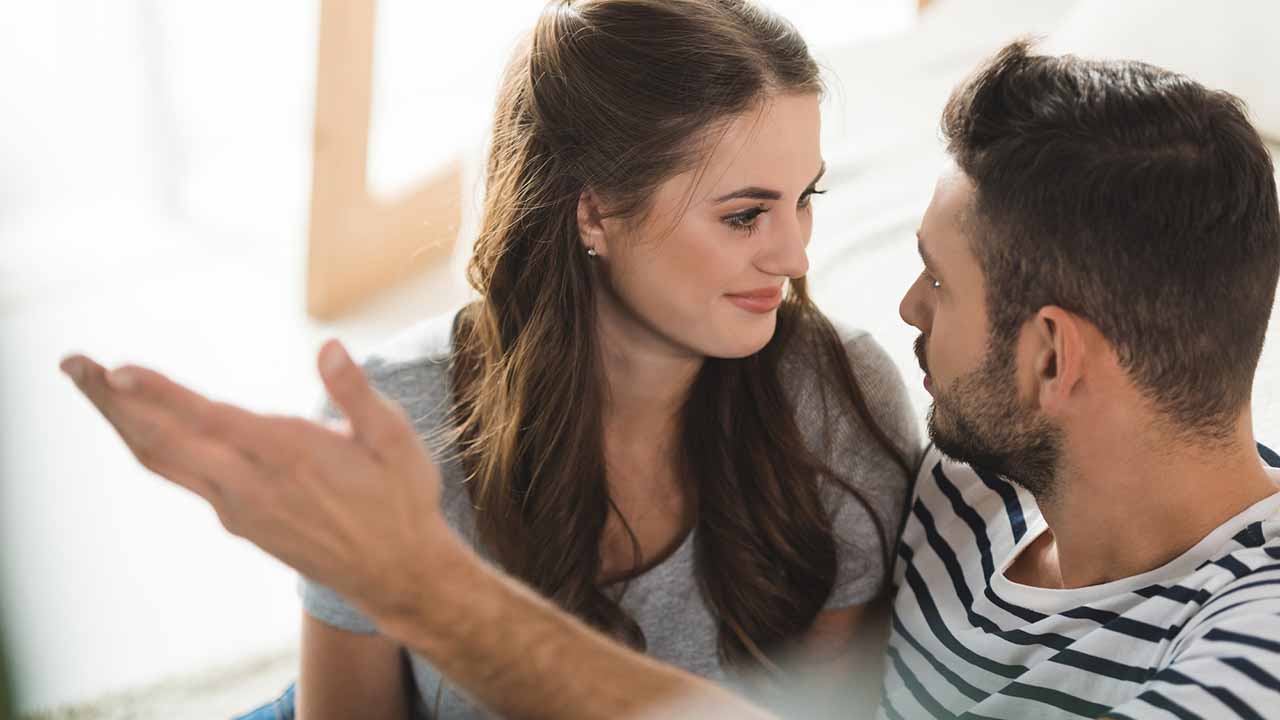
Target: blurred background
x=162, y=200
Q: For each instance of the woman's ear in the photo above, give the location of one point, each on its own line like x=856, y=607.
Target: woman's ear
x=591, y=225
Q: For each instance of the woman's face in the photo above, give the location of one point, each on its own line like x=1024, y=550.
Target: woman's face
x=703, y=272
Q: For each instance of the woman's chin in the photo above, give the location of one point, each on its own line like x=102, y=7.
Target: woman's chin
x=743, y=339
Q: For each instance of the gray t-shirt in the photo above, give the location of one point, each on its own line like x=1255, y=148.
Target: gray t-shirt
x=679, y=627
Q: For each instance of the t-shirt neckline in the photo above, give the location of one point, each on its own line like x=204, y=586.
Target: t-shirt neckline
x=1052, y=600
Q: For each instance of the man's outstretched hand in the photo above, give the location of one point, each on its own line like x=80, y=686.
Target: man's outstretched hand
x=357, y=508
x=354, y=507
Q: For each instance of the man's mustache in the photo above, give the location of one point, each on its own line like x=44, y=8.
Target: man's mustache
x=920, y=354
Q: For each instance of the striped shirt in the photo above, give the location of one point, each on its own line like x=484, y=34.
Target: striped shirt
x=1196, y=638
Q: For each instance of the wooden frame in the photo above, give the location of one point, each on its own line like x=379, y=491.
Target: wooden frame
x=358, y=245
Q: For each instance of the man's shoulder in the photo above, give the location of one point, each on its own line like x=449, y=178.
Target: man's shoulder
x=1243, y=606
x=1242, y=577
x=1252, y=557
x=1247, y=566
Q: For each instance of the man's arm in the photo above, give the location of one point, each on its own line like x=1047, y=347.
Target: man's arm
x=517, y=655
x=356, y=508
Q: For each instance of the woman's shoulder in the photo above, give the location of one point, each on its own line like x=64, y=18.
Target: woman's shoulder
x=859, y=345
x=426, y=341
x=867, y=504
x=412, y=369
x=808, y=372
x=874, y=370
x=412, y=366
x=848, y=333
x=826, y=410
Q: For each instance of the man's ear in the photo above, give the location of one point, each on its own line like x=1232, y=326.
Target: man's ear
x=591, y=224
x=1058, y=339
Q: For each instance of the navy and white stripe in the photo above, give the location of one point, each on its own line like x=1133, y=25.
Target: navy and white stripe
x=1196, y=638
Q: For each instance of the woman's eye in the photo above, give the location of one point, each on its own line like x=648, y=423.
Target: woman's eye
x=807, y=199
x=744, y=221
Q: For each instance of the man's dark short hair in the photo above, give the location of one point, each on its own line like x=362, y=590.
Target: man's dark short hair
x=1135, y=198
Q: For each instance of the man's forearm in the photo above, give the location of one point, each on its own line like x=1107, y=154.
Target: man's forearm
x=519, y=656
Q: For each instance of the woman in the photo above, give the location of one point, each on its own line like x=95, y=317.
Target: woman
x=644, y=417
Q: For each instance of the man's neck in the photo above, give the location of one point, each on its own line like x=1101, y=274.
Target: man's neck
x=1129, y=505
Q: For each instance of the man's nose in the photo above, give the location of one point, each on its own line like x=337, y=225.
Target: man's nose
x=914, y=308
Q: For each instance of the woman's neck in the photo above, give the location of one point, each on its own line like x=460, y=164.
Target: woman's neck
x=647, y=380
x=647, y=377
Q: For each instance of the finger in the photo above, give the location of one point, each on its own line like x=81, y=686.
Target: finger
x=187, y=438
x=107, y=389
x=376, y=422
x=276, y=445
x=268, y=440
x=90, y=379
x=160, y=441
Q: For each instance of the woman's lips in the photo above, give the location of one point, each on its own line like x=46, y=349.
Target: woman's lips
x=759, y=301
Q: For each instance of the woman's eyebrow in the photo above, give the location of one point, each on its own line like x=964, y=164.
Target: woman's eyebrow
x=755, y=192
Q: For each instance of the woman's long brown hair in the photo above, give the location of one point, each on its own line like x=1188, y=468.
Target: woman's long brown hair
x=617, y=96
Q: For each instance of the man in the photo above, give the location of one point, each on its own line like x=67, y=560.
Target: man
x=1101, y=260
x=1100, y=265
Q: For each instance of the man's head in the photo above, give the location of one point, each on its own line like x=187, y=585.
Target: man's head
x=1093, y=210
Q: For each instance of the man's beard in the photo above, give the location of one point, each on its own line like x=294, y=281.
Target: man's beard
x=979, y=420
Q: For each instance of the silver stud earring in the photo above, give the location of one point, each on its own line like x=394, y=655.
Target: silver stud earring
x=591, y=252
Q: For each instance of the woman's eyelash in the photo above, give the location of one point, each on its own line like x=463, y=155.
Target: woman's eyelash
x=745, y=221
x=808, y=196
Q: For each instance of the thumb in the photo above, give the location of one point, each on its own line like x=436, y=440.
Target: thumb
x=375, y=422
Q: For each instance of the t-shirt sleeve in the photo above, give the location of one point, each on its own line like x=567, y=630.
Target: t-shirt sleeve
x=860, y=569
x=1229, y=667
x=319, y=601
x=862, y=523
x=409, y=369
x=331, y=608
